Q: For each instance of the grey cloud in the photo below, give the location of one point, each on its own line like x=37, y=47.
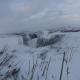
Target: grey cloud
x=32, y=14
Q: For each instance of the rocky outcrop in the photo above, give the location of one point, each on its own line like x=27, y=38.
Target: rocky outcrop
x=49, y=41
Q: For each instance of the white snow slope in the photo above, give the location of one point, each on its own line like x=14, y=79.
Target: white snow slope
x=20, y=62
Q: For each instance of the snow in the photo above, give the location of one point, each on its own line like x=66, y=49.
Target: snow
x=10, y=41
x=43, y=63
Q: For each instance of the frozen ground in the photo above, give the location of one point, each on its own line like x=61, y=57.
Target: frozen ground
x=27, y=62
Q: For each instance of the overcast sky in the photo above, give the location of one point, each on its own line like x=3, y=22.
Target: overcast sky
x=17, y=15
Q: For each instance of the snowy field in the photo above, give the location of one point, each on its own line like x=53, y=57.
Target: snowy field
x=52, y=61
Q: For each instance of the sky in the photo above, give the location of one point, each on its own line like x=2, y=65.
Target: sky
x=31, y=15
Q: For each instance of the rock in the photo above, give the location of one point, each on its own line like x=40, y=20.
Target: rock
x=42, y=41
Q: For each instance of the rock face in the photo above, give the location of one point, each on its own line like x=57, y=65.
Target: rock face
x=49, y=40
x=43, y=38
x=27, y=37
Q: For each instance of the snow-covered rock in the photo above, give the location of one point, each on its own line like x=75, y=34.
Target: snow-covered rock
x=49, y=39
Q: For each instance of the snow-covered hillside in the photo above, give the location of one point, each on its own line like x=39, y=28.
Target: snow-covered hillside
x=46, y=56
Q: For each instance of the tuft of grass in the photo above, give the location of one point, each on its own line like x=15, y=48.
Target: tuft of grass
x=46, y=68
x=33, y=69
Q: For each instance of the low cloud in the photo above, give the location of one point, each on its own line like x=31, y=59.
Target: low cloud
x=39, y=15
x=72, y=17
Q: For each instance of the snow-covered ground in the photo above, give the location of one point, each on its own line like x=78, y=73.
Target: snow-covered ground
x=27, y=62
